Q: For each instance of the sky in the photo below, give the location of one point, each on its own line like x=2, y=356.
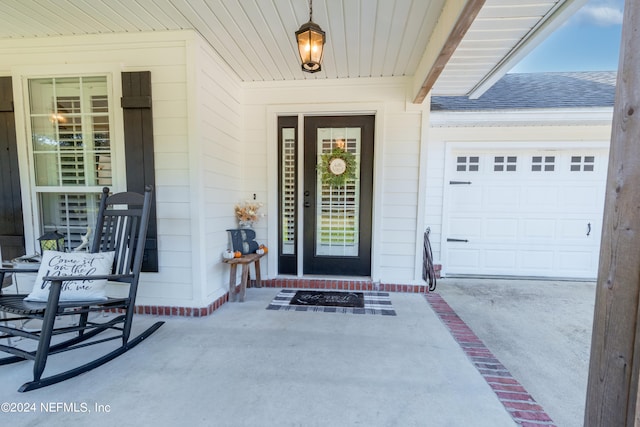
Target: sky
x=588, y=41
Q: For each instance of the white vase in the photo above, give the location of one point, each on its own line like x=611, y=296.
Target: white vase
x=245, y=224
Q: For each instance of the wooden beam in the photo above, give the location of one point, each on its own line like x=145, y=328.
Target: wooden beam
x=614, y=369
x=455, y=19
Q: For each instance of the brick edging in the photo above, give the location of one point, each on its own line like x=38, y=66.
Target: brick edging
x=183, y=311
x=341, y=285
x=522, y=407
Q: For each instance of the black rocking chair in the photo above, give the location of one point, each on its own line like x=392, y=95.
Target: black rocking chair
x=121, y=227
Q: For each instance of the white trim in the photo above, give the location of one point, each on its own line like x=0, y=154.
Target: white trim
x=378, y=188
x=271, y=121
x=514, y=145
x=300, y=199
x=422, y=194
x=537, y=117
x=196, y=180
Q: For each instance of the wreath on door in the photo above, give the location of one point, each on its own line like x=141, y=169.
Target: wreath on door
x=337, y=167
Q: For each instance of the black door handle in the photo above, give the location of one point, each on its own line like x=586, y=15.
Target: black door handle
x=588, y=228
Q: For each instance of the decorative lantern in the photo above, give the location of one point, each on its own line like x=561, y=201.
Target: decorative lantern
x=51, y=241
x=310, y=38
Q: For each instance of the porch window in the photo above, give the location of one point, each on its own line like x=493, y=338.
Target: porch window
x=72, y=151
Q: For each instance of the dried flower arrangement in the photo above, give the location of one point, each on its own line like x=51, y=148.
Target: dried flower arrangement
x=247, y=213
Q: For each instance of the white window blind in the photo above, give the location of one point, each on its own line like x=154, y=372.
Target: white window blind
x=288, y=191
x=70, y=132
x=338, y=208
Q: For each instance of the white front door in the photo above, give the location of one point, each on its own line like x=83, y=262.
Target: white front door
x=530, y=212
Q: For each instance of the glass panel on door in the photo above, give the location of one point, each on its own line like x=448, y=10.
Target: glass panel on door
x=337, y=223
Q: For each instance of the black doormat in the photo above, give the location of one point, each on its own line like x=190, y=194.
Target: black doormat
x=328, y=299
x=374, y=303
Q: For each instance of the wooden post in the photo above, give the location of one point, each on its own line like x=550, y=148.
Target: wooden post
x=612, y=391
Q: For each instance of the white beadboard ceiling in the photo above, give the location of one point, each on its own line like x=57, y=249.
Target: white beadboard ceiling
x=365, y=38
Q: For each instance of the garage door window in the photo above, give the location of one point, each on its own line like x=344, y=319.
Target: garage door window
x=543, y=163
x=470, y=163
x=504, y=163
x=582, y=163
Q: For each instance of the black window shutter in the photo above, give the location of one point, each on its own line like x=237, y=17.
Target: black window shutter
x=138, y=141
x=11, y=223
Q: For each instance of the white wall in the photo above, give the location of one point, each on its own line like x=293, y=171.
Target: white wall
x=401, y=232
x=217, y=166
x=197, y=135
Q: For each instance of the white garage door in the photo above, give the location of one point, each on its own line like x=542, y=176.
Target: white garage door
x=524, y=213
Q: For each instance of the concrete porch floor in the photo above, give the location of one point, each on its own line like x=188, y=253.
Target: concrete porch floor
x=248, y=366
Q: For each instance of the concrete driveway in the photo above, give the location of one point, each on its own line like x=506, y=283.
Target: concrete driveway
x=540, y=330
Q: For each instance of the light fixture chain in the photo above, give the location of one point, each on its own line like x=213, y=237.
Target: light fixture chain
x=310, y=10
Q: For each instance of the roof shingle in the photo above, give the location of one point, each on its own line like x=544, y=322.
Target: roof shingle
x=538, y=90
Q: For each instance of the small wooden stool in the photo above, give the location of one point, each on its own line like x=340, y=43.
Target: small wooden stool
x=245, y=261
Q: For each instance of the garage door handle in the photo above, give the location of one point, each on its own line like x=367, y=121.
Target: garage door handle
x=588, y=228
x=457, y=240
x=459, y=182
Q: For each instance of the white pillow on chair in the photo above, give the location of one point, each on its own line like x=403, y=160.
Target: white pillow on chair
x=73, y=264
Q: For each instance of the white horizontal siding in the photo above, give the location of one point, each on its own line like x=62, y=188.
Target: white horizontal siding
x=434, y=189
x=256, y=169
x=401, y=160
x=174, y=177
x=171, y=160
x=219, y=167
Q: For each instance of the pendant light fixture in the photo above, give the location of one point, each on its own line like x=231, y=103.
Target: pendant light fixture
x=311, y=40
